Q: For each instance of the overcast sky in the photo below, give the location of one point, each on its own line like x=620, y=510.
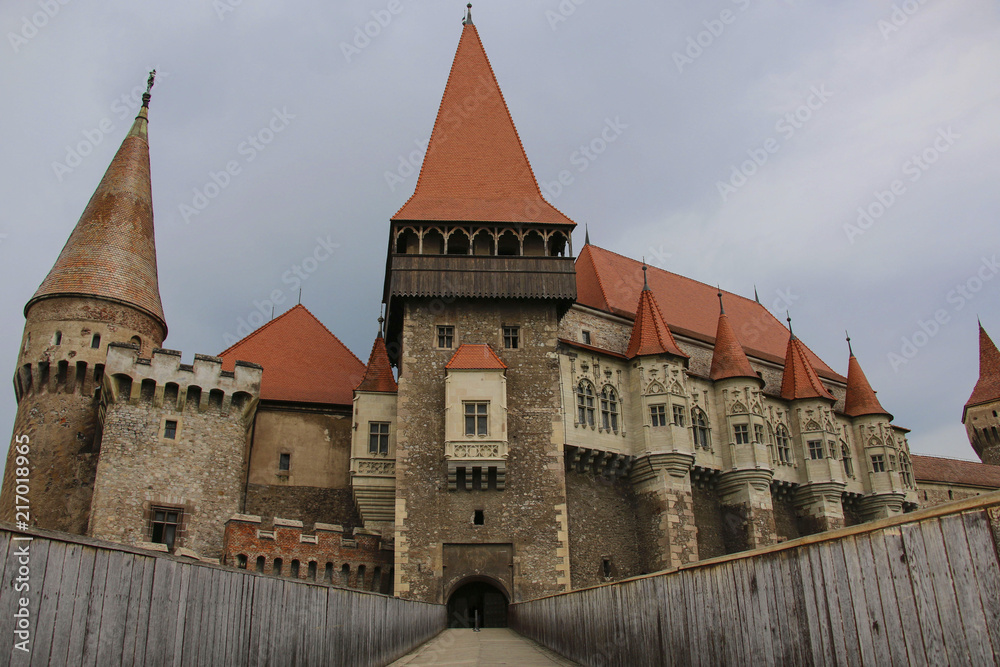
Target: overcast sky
x=750, y=133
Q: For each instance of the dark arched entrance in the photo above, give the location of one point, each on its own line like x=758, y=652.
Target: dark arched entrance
x=477, y=596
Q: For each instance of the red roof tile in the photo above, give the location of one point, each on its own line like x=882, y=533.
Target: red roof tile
x=728, y=359
x=475, y=168
x=800, y=379
x=303, y=361
x=650, y=333
x=475, y=357
x=111, y=253
x=860, y=399
x=954, y=471
x=988, y=387
x=611, y=282
x=378, y=375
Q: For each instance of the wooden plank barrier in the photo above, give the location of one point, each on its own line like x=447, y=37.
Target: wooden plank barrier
x=920, y=589
x=80, y=601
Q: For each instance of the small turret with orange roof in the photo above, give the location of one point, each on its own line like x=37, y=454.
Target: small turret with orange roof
x=860, y=399
x=800, y=379
x=378, y=373
x=650, y=333
x=987, y=388
x=728, y=359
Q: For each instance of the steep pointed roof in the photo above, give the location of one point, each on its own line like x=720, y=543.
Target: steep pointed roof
x=475, y=168
x=111, y=253
x=728, y=359
x=987, y=389
x=650, y=333
x=303, y=362
x=611, y=283
x=475, y=357
x=800, y=379
x=378, y=374
x=860, y=399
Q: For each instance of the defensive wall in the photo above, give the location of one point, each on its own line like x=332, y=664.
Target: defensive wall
x=918, y=589
x=90, y=602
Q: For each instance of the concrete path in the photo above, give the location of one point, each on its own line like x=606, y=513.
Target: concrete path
x=490, y=646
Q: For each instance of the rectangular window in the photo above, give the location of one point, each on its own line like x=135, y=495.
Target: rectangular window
x=476, y=418
x=445, y=337
x=586, y=337
x=678, y=415
x=742, y=434
x=878, y=463
x=284, y=462
x=378, y=437
x=658, y=415
x=892, y=462
x=164, y=525
x=815, y=449
x=511, y=338
x=758, y=433
x=170, y=429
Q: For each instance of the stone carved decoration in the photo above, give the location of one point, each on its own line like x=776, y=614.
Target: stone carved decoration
x=477, y=451
x=376, y=467
x=675, y=388
x=655, y=388
x=737, y=408
x=812, y=425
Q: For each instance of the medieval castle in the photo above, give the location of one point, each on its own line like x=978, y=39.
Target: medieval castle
x=559, y=419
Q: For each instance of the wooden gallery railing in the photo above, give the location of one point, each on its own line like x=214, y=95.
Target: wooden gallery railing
x=920, y=589
x=80, y=601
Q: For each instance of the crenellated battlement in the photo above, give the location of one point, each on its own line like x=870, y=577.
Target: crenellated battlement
x=164, y=381
x=68, y=375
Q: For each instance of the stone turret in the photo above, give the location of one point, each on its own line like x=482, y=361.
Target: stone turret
x=173, y=448
x=980, y=412
x=102, y=289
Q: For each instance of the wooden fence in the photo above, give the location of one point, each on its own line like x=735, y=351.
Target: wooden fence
x=95, y=603
x=922, y=589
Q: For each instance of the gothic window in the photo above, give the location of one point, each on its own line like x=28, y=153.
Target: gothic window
x=678, y=415
x=742, y=433
x=658, y=415
x=445, y=337
x=378, y=437
x=878, y=463
x=700, y=422
x=164, y=525
x=905, y=470
x=815, y=449
x=784, y=445
x=758, y=433
x=476, y=418
x=609, y=409
x=892, y=461
x=845, y=455
x=585, y=403
x=511, y=338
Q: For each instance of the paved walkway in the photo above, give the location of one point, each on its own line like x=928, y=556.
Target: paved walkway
x=490, y=646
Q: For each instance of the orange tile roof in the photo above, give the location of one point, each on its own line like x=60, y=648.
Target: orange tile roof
x=111, y=253
x=475, y=168
x=378, y=375
x=650, y=333
x=800, y=379
x=475, y=357
x=954, y=471
x=988, y=386
x=728, y=359
x=303, y=361
x=860, y=399
x=611, y=282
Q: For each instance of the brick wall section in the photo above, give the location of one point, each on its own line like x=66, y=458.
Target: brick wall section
x=252, y=537
x=530, y=512
x=602, y=525
x=306, y=503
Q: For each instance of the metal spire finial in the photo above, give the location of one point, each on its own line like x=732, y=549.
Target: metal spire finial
x=149, y=86
x=849, y=349
x=755, y=297
x=789, y=319
x=645, y=283
x=586, y=234
x=468, y=15
x=722, y=309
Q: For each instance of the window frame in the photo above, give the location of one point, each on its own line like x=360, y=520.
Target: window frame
x=170, y=429
x=378, y=435
x=480, y=416
x=783, y=444
x=284, y=462
x=677, y=414
x=511, y=335
x=585, y=403
x=878, y=462
x=741, y=434
x=445, y=333
x=814, y=447
x=609, y=408
x=702, y=431
x=177, y=525
x=658, y=413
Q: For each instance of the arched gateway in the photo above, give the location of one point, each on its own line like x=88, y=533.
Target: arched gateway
x=482, y=595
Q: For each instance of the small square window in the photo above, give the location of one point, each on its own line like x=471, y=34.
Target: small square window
x=742, y=432
x=878, y=463
x=678, y=415
x=284, y=462
x=478, y=518
x=378, y=437
x=815, y=449
x=164, y=525
x=586, y=337
x=170, y=429
x=511, y=338
x=476, y=418
x=658, y=415
x=445, y=337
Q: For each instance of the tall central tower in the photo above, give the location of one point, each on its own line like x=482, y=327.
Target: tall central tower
x=479, y=272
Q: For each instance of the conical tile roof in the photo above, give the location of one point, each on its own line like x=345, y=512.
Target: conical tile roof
x=860, y=399
x=378, y=374
x=728, y=359
x=650, y=333
x=987, y=388
x=800, y=379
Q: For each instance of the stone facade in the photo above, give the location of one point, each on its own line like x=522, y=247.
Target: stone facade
x=174, y=438
x=324, y=554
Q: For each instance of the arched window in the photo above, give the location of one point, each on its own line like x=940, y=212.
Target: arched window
x=276, y=567
x=135, y=340
x=609, y=409
x=458, y=243
x=784, y=444
x=585, y=403
x=57, y=338
x=360, y=583
x=699, y=423
x=905, y=470
x=260, y=564
x=345, y=575
x=95, y=342
x=845, y=455
x=241, y=561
